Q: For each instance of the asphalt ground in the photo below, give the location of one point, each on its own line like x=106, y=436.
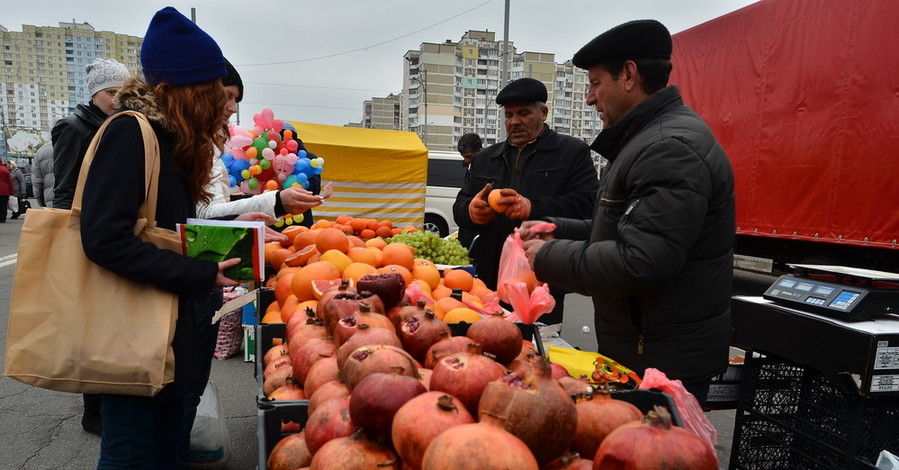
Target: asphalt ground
x=41, y=429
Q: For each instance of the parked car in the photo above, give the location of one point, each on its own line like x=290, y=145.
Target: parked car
x=445, y=177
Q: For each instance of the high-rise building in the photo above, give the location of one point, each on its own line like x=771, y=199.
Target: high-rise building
x=382, y=113
x=450, y=89
x=43, y=77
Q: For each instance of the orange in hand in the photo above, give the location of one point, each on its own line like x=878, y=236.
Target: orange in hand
x=493, y=199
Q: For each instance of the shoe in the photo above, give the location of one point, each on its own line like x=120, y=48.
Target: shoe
x=91, y=423
x=14, y=216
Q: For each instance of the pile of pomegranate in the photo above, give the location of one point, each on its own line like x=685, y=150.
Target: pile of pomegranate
x=394, y=389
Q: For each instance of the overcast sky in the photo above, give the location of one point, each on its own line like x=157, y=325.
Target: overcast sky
x=317, y=61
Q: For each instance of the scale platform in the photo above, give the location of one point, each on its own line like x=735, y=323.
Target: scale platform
x=841, y=292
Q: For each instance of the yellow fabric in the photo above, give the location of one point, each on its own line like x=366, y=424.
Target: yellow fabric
x=375, y=173
x=595, y=367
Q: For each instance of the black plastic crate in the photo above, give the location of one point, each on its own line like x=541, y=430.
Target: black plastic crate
x=790, y=416
x=265, y=336
x=271, y=415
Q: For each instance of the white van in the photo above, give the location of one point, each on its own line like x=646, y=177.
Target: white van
x=445, y=176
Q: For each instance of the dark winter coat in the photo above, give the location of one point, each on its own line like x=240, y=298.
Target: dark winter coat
x=658, y=262
x=558, y=177
x=71, y=137
x=113, y=192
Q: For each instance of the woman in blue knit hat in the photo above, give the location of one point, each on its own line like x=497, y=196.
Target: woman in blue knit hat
x=182, y=96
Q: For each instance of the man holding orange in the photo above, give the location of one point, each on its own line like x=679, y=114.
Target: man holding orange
x=540, y=174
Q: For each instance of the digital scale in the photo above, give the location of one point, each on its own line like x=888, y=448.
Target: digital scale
x=844, y=293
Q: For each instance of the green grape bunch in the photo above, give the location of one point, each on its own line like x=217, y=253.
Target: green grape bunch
x=432, y=247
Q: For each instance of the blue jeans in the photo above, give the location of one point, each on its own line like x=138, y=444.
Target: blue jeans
x=146, y=432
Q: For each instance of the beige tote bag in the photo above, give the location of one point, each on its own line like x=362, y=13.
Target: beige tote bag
x=77, y=327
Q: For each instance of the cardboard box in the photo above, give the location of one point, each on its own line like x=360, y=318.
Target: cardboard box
x=861, y=356
x=249, y=343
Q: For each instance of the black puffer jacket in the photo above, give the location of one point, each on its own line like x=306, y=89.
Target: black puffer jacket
x=71, y=137
x=558, y=177
x=658, y=262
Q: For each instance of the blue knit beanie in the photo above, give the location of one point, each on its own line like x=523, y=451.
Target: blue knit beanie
x=177, y=51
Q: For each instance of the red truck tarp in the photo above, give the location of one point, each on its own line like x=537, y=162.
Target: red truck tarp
x=804, y=97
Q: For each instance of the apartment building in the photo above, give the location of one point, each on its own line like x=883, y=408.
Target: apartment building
x=43, y=77
x=450, y=89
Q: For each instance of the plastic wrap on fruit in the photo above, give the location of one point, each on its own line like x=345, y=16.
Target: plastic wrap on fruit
x=525, y=307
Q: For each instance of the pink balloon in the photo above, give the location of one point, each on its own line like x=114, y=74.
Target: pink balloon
x=292, y=145
x=268, y=154
x=239, y=154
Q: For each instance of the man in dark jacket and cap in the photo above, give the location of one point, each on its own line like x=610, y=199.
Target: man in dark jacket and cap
x=541, y=174
x=657, y=255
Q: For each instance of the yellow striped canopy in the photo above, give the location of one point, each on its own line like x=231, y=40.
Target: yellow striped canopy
x=375, y=173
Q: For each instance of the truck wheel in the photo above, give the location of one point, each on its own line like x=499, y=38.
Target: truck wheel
x=436, y=224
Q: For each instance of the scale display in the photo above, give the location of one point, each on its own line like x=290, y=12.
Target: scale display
x=852, y=294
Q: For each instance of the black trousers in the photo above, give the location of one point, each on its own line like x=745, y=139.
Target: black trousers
x=4, y=204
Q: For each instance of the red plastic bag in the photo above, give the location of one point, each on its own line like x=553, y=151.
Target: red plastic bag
x=690, y=411
x=528, y=307
x=514, y=267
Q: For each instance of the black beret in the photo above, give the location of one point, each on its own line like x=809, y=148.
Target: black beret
x=523, y=90
x=233, y=78
x=640, y=39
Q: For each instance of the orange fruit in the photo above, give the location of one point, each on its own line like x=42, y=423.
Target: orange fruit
x=344, y=228
x=385, y=223
x=493, y=200
x=460, y=314
x=367, y=233
x=313, y=304
x=338, y=258
x=395, y=268
x=332, y=239
x=283, y=288
x=457, y=279
x=291, y=233
x=355, y=271
x=301, y=256
x=466, y=297
x=371, y=224
x=377, y=243
x=270, y=282
x=305, y=239
x=444, y=305
x=319, y=287
x=379, y=256
x=383, y=232
x=321, y=223
x=273, y=316
x=279, y=256
x=301, y=281
x=441, y=291
x=355, y=241
x=480, y=290
x=427, y=273
x=399, y=254
x=362, y=255
x=268, y=249
x=396, y=231
x=343, y=219
x=289, y=307
x=422, y=261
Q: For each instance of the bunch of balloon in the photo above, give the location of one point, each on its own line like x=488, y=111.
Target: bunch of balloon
x=259, y=160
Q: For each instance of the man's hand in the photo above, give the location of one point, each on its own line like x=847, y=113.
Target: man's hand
x=220, y=279
x=480, y=212
x=519, y=207
x=297, y=200
x=528, y=231
x=531, y=247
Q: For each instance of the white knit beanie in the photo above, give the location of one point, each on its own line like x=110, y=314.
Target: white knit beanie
x=105, y=73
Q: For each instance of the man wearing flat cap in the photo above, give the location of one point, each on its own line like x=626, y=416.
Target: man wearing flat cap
x=540, y=172
x=657, y=254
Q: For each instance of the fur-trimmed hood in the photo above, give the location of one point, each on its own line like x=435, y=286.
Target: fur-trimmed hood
x=136, y=95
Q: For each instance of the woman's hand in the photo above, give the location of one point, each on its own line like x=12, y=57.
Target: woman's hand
x=297, y=200
x=220, y=279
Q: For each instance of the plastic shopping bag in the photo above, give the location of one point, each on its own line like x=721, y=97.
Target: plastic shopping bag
x=594, y=367
x=210, y=446
x=690, y=411
x=13, y=204
x=514, y=267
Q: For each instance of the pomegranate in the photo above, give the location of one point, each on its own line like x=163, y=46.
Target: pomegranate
x=420, y=420
x=445, y=347
x=425, y=377
x=291, y=390
x=558, y=371
x=465, y=376
x=304, y=354
x=535, y=408
x=376, y=399
x=419, y=331
x=347, y=326
x=654, y=443
x=343, y=287
x=322, y=371
x=497, y=336
x=365, y=336
x=298, y=320
x=345, y=304
x=289, y=453
x=572, y=461
x=354, y=451
x=389, y=287
x=597, y=416
x=330, y=420
x=405, y=310
x=327, y=391
x=376, y=358
x=274, y=352
x=479, y=445
x=276, y=379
